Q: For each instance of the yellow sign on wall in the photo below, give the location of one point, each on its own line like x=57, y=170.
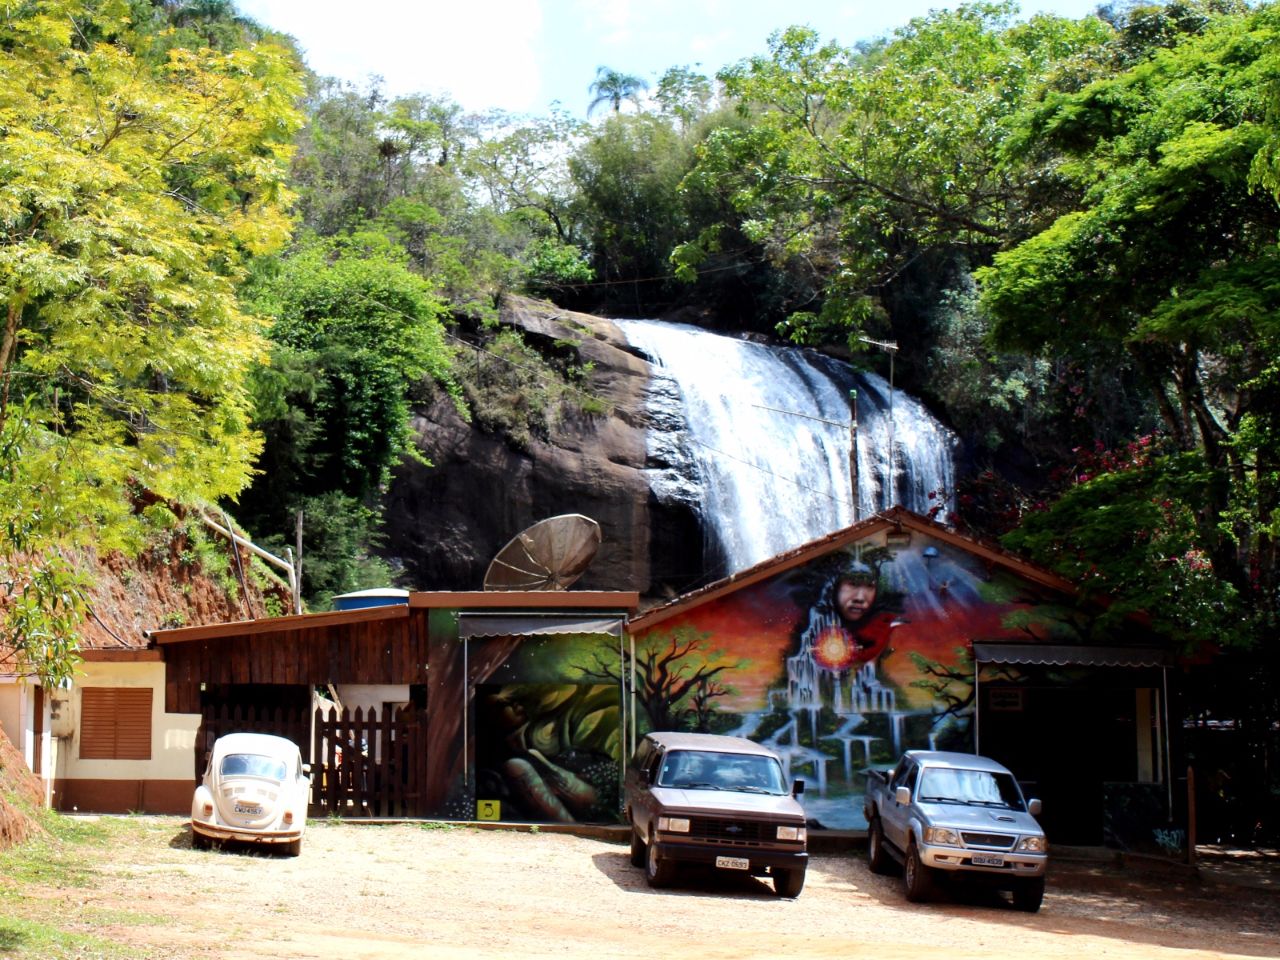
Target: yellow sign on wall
x=488, y=809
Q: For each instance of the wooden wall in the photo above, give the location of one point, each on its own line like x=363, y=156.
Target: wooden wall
x=377, y=651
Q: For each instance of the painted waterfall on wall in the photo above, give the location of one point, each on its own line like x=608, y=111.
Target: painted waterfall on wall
x=841, y=664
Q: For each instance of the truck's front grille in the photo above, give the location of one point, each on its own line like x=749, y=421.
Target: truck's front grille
x=744, y=832
x=1001, y=840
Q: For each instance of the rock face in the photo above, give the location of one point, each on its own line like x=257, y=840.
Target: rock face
x=445, y=523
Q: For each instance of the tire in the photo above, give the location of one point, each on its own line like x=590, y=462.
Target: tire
x=637, y=848
x=878, y=858
x=293, y=848
x=1028, y=895
x=917, y=878
x=199, y=841
x=788, y=883
x=657, y=871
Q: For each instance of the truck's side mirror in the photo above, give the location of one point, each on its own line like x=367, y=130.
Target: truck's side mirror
x=902, y=795
x=1034, y=807
x=797, y=787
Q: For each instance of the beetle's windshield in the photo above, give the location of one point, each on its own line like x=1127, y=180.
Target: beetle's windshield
x=709, y=770
x=980, y=787
x=253, y=765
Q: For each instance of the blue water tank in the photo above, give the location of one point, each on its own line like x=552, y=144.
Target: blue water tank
x=378, y=597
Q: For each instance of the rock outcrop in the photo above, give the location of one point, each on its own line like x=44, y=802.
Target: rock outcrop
x=445, y=523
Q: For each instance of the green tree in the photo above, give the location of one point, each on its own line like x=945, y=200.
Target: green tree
x=630, y=205
x=614, y=88
x=684, y=93
x=356, y=335
x=1170, y=265
x=132, y=192
x=860, y=164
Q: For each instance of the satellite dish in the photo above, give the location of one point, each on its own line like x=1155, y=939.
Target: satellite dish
x=549, y=555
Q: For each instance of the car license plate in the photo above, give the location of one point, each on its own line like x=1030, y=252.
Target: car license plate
x=250, y=808
x=733, y=863
x=987, y=860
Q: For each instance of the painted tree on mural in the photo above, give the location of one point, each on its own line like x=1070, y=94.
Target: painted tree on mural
x=701, y=707
x=672, y=668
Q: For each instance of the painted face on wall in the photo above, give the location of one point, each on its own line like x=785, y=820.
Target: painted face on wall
x=506, y=711
x=854, y=600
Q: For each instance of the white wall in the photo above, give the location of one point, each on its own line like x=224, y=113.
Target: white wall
x=17, y=720
x=173, y=735
x=11, y=710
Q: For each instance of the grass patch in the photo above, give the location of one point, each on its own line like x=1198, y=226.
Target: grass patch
x=437, y=825
x=42, y=911
x=20, y=937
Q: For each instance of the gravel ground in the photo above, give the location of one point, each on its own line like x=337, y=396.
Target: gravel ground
x=391, y=892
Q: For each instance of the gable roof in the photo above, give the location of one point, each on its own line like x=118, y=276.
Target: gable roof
x=893, y=519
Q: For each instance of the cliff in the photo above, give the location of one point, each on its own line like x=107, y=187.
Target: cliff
x=445, y=522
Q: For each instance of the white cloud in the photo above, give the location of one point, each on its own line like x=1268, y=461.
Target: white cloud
x=483, y=53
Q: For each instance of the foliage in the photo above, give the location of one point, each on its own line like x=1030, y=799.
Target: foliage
x=858, y=162
x=1168, y=264
x=356, y=335
x=613, y=88
x=339, y=536
x=522, y=167
x=1130, y=537
x=684, y=94
x=134, y=187
x=513, y=389
x=628, y=178
x=356, y=331
x=553, y=266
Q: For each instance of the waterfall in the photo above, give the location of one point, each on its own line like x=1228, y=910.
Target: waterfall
x=757, y=438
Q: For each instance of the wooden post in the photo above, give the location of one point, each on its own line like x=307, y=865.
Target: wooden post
x=1191, y=815
x=853, y=449
x=297, y=566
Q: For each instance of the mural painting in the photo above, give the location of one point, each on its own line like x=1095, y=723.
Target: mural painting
x=841, y=664
x=548, y=753
x=541, y=742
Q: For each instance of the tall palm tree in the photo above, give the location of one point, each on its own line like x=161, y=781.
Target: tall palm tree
x=612, y=87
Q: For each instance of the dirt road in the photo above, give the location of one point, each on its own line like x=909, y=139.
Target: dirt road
x=363, y=892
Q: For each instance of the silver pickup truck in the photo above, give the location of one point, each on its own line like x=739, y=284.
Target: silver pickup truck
x=955, y=815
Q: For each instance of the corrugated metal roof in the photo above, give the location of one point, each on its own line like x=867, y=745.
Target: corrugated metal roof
x=513, y=624
x=1067, y=655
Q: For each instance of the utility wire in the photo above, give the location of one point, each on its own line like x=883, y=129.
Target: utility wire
x=538, y=375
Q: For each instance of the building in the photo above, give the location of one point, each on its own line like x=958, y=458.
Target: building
x=890, y=634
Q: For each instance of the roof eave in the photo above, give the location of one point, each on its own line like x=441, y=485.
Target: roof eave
x=894, y=518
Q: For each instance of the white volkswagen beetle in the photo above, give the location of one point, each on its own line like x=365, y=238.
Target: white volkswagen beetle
x=255, y=788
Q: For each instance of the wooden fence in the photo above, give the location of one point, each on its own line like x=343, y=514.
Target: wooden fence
x=366, y=765
x=362, y=764
x=292, y=724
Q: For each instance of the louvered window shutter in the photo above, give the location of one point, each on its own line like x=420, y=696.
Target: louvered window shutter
x=115, y=723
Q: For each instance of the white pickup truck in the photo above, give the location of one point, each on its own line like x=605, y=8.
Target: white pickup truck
x=959, y=816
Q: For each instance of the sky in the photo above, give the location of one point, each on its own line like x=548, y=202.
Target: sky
x=522, y=56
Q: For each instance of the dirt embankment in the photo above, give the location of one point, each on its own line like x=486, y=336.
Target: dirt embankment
x=20, y=796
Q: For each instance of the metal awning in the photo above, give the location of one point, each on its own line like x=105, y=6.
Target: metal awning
x=1063, y=655
x=537, y=624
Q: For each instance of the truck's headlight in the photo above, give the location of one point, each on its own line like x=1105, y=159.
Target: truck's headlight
x=673, y=824
x=793, y=833
x=1032, y=845
x=941, y=835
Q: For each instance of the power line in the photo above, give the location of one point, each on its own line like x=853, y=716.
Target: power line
x=537, y=374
